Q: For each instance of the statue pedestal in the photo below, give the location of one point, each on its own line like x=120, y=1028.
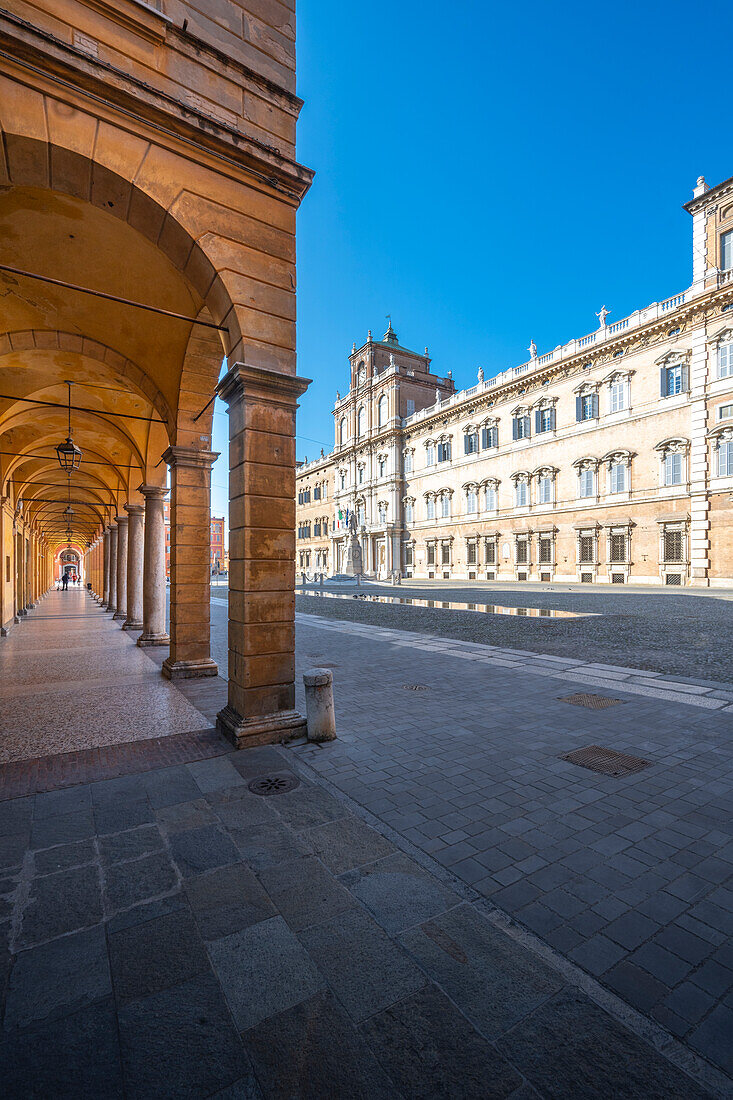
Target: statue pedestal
x=354, y=565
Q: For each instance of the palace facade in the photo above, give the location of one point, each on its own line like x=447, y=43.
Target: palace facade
x=606, y=460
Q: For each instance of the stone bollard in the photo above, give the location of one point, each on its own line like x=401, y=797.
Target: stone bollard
x=319, y=704
x=358, y=580
x=322, y=579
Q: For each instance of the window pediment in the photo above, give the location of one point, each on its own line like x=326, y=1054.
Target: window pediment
x=677, y=445
x=670, y=358
x=470, y=485
x=490, y=483
x=618, y=376
x=619, y=456
x=545, y=471
x=725, y=336
x=587, y=387
x=521, y=475
x=588, y=462
x=723, y=433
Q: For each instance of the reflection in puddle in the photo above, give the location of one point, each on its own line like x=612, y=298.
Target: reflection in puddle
x=486, y=608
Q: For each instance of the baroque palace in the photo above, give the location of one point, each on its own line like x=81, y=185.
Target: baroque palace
x=608, y=459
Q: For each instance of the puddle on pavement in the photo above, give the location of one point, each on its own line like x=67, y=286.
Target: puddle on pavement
x=449, y=605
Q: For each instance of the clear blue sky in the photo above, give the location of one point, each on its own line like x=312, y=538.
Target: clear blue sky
x=491, y=173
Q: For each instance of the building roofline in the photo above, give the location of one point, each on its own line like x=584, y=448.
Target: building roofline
x=712, y=193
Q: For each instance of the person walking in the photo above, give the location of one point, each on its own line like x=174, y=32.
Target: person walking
x=65, y=582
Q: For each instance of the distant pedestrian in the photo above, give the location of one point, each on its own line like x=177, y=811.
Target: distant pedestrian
x=65, y=581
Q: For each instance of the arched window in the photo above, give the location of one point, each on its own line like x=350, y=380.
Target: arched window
x=343, y=431
x=361, y=421
x=382, y=410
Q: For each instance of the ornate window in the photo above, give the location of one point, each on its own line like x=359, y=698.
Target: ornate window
x=673, y=461
x=546, y=547
x=382, y=465
x=430, y=505
x=343, y=430
x=407, y=460
x=382, y=511
x=489, y=434
x=445, y=503
x=408, y=505
x=470, y=440
x=545, y=479
x=471, y=491
x=360, y=474
x=490, y=553
x=361, y=422
x=586, y=402
x=587, y=477
x=544, y=415
x=444, y=449
x=618, y=465
x=619, y=390
x=724, y=342
x=521, y=489
x=521, y=423
x=491, y=495
x=429, y=452
x=382, y=409
x=430, y=553
x=674, y=373
x=722, y=441
x=522, y=549
x=343, y=478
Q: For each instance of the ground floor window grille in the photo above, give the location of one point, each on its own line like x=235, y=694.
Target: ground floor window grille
x=586, y=578
x=617, y=578
x=673, y=578
x=490, y=552
x=522, y=552
x=618, y=549
x=472, y=553
x=546, y=551
x=431, y=554
x=673, y=546
x=445, y=554
x=587, y=549
x=408, y=555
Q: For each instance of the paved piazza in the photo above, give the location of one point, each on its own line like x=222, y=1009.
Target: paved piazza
x=441, y=907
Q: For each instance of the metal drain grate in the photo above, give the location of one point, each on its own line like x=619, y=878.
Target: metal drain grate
x=416, y=687
x=274, y=784
x=585, y=699
x=606, y=761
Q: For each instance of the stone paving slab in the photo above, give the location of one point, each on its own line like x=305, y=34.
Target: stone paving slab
x=174, y=955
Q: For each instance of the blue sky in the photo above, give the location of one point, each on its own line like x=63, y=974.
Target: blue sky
x=493, y=173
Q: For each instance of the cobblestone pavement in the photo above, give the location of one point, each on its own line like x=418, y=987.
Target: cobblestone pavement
x=629, y=878
x=172, y=934
x=687, y=633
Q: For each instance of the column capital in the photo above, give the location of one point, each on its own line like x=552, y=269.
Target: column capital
x=111, y=526
x=154, y=491
x=189, y=456
x=120, y=520
x=242, y=380
x=134, y=509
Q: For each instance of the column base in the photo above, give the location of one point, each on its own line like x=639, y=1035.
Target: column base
x=119, y=615
x=189, y=670
x=266, y=729
x=109, y=609
x=127, y=625
x=154, y=639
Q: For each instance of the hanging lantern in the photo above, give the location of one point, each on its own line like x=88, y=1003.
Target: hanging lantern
x=68, y=454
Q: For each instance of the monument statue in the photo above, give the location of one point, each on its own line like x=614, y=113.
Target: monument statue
x=354, y=564
x=532, y=349
x=601, y=315
x=481, y=374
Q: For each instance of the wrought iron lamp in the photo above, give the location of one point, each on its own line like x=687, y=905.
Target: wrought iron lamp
x=69, y=455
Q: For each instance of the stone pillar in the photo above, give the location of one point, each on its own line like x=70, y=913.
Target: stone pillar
x=190, y=653
x=106, y=546
x=112, y=601
x=27, y=601
x=261, y=687
x=121, y=603
x=134, y=620
x=154, y=632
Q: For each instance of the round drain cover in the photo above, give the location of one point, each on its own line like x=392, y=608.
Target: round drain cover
x=274, y=784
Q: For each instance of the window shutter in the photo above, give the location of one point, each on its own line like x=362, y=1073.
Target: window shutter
x=685, y=377
x=537, y=421
x=515, y=428
x=526, y=427
x=466, y=445
x=578, y=408
x=552, y=418
x=484, y=438
x=663, y=382
x=595, y=406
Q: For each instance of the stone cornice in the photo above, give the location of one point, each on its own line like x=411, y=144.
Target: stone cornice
x=88, y=76
x=686, y=316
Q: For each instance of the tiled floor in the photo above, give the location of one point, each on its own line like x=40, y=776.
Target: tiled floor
x=173, y=934
x=71, y=678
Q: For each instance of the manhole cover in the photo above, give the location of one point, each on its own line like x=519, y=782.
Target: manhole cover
x=274, y=784
x=416, y=687
x=595, y=702
x=606, y=761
